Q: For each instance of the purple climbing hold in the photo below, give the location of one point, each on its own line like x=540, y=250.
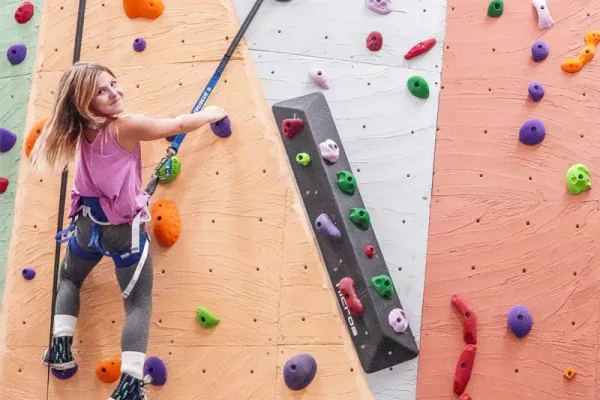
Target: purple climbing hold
x=65, y=374
x=539, y=50
x=7, y=140
x=519, y=321
x=326, y=227
x=221, y=128
x=28, y=273
x=532, y=132
x=379, y=6
x=156, y=369
x=536, y=91
x=16, y=53
x=139, y=44
x=299, y=371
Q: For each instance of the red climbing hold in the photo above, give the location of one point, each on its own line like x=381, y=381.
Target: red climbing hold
x=292, y=126
x=346, y=287
x=24, y=12
x=420, y=48
x=370, y=251
x=374, y=41
x=464, y=367
x=469, y=319
x=3, y=184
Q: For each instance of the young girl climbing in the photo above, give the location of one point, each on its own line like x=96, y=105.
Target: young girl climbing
x=108, y=207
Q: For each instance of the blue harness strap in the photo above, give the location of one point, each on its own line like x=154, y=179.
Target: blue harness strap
x=122, y=258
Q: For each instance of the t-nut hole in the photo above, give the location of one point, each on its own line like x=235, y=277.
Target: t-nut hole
x=537, y=87
x=533, y=129
x=416, y=84
x=463, y=365
x=497, y=6
x=151, y=370
x=467, y=315
x=159, y=218
x=361, y=213
x=103, y=370
x=318, y=224
x=519, y=317
x=398, y=320
x=580, y=176
x=203, y=319
x=542, y=7
x=14, y=51
x=319, y=72
x=349, y=179
x=540, y=46
x=293, y=367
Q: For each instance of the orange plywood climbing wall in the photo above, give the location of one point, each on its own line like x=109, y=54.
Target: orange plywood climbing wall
x=246, y=251
x=504, y=229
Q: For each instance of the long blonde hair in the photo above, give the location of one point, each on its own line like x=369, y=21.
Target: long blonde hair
x=71, y=114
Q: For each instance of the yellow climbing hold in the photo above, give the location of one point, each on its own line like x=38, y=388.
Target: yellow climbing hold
x=591, y=38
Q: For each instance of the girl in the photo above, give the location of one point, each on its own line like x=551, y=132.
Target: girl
x=108, y=206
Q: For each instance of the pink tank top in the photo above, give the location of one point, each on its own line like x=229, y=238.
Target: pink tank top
x=107, y=171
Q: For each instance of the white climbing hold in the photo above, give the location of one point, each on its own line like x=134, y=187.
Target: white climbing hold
x=318, y=76
x=329, y=150
x=545, y=21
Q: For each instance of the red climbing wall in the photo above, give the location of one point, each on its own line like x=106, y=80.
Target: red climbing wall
x=246, y=251
x=504, y=229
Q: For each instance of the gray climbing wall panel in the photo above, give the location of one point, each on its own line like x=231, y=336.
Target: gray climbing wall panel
x=377, y=345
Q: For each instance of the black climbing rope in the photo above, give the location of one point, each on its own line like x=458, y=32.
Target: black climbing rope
x=63, y=193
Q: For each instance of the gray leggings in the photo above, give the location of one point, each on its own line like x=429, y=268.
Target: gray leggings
x=74, y=270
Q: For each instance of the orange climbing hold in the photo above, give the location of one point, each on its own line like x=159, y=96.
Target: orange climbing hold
x=591, y=38
x=570, y=373
x=33, y=135
x=150, y=9
x=166, y=222
x=109, y=371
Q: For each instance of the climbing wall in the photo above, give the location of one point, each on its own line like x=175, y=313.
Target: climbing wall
x=504, y=228
x=388, y=135
x=246, y=251
x=15, y=84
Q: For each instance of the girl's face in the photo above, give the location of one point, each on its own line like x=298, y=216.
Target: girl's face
x=108, y=98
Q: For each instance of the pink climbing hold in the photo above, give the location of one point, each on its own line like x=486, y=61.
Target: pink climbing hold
x=374, y=41
x=397, y=320
x=3, y=184
x=379, y=6
x=24, y=12
x=318, y=76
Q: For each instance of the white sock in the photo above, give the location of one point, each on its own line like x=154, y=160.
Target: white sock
x=132, y=363
x=64, y=325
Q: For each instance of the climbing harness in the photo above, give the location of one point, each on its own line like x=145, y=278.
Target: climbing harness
x=90, y=207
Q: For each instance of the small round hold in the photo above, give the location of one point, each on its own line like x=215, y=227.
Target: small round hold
x=7, y=140
x=299, y=371
x=303, y=159
x=139, y=44
x=374, y=41
x=536, y=91
x=156, y=369
x=370, y=251
x=24, y=12
x=532, y=132
x=16, y=53
x=519, y=321
x=221, y=128
x=539, y=50
x=28, y=273
x=65, y=374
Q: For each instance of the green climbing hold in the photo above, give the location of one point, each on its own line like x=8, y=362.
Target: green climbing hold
x=206, y=318
x=175, y=170
x=578, y=179
x=383, y=285
x=418, y=87
x=360, y=217
x=346, y=182
x=496, y=8
x=303, y=159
